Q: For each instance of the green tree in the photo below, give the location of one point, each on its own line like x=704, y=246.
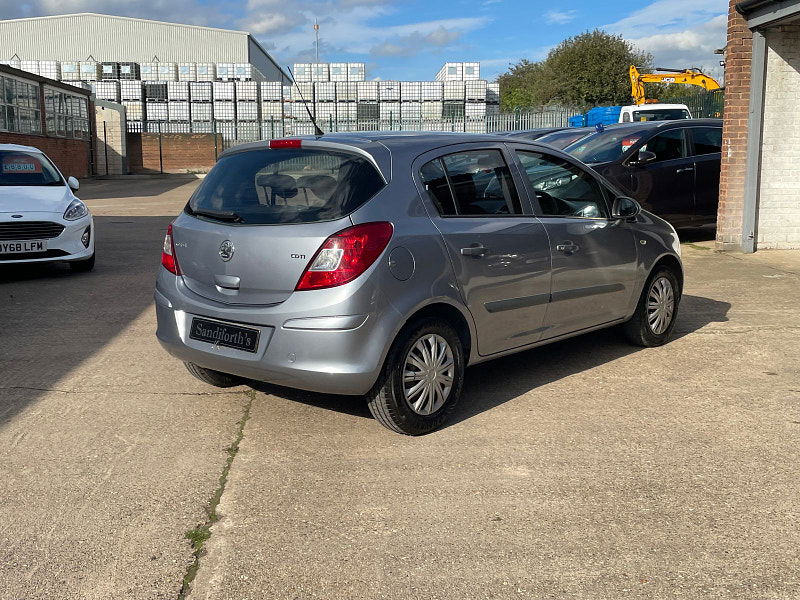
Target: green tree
x=589, y=69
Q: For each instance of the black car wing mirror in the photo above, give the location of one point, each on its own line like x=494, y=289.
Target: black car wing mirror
x=625, y=208
x=642, y=158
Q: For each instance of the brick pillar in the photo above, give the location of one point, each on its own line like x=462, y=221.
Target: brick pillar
x=734, y=132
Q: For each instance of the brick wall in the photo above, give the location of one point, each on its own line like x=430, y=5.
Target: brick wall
x=734, y=132
x=778, y=206
x=181, y=152
x=72, y=157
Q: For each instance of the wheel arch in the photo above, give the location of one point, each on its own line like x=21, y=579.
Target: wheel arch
x=448, y=313
x=671, y=262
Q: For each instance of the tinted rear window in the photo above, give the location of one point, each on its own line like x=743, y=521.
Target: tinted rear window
x=263, y=187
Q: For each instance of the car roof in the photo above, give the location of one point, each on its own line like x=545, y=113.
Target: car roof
x=368, y=140
x=19, y=148
x=662, y=124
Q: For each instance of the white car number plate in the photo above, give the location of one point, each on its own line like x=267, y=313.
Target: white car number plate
x=23, y=247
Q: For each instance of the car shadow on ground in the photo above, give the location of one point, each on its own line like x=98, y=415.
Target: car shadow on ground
x=110, y=189
x=495, y=382
x=52, y=319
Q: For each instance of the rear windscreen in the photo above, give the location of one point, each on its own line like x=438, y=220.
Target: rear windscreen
x=293, y=185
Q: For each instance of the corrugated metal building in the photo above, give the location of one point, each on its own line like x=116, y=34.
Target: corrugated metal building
x=110, y=38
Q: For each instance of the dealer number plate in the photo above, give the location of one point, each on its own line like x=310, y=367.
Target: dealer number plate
x=223, y=334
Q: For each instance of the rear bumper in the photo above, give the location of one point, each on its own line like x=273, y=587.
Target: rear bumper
x=336, y=354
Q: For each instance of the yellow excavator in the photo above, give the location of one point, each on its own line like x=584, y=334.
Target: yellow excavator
x=687, y=76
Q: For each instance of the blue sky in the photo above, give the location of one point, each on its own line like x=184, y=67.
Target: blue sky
x=411, y=39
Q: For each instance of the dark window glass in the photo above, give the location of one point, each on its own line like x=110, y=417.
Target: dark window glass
x=667, y=145
x=287, y=186
x=27, y=168
x=561, y=188
x=661, y=114
x=435, y=180
x=480, y=183
x=707, y=140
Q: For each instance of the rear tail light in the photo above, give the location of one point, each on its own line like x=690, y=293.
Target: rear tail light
x=346, y=255
x=168, y=258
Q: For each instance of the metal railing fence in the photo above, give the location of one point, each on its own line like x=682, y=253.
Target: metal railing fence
x=239, y=132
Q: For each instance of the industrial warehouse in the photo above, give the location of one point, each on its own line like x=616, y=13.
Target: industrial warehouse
x=175, y=78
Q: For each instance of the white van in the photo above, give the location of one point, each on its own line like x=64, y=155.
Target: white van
x=654, y=112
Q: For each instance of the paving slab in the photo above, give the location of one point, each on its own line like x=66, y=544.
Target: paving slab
x=586, y=469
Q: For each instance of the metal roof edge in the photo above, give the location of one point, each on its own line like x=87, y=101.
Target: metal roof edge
x=93, y=14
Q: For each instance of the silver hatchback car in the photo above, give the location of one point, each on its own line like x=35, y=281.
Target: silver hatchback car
x=383, y=265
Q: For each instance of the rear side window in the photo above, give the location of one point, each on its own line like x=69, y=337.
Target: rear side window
x=667, y=145
x=707, y=140
x=263, y=187
x=474, y=183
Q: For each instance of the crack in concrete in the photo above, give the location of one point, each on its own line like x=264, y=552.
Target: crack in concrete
x=202, y=532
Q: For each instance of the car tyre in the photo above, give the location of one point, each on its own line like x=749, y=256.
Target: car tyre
x=413, y=395
x=657, y=310
x=83, y=266
x=211, y=377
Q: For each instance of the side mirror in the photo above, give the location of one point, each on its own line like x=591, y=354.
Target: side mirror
x=73, y=183
x=625, y=208
x=644, y=157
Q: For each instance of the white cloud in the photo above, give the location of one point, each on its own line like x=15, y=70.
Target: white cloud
x=559, y=17
x=692, y=47
x=663, y=16
x=678, y=33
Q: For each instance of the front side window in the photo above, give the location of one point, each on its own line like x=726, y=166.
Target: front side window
x=473, y=183
x=263, y=187
x=667, y=145
x=561, y=188
x=27, y=168
x=706, y=140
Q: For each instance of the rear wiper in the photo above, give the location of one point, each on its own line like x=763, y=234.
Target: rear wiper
x=220, y=215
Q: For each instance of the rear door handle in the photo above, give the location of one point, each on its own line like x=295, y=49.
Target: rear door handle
x=684, y=169
x=476, y=250
x=567, y=247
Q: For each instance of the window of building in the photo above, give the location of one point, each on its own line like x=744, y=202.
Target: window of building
x=67, y=114
x=452, y=71
x=469, y=70
x=19, y=106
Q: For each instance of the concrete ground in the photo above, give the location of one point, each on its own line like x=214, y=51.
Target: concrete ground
x=586, y=469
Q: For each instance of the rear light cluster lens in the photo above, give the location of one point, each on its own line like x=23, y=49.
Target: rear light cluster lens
x=346, y=255
x=168, y=258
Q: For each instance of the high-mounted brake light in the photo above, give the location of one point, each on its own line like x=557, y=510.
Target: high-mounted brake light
x=277, y=144
x=168, y=258
x=346, y=255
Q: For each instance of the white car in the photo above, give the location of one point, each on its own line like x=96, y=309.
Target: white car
x=41, y=220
